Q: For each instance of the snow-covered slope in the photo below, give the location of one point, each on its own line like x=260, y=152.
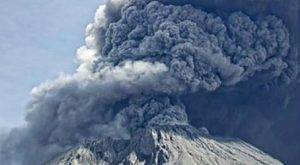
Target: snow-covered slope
x=169, y=144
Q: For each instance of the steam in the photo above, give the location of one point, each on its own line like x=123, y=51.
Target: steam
x=140, y=57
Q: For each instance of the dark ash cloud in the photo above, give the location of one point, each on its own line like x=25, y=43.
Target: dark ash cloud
x=146, y=62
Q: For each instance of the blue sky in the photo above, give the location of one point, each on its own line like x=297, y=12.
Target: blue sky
x=38, y=41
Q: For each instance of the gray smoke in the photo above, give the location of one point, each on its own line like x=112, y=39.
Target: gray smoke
x=202, y=50
x=72, y=108
x=146, y=61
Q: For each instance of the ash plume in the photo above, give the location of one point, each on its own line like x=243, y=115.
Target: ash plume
x=147, y=62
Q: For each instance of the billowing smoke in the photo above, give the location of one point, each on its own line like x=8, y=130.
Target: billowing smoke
x=146, y=62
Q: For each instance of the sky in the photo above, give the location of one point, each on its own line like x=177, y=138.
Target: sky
x=38, y=41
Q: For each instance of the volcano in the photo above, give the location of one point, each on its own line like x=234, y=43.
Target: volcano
x=166, y=144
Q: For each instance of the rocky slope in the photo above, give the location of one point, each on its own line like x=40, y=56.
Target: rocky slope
x=168, y=144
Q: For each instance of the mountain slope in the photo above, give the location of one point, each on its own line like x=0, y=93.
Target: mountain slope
x=169, y=144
